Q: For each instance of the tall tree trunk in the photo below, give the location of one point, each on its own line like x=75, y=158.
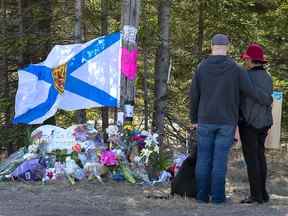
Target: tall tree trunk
x=31, y=52
x=4, y=63
x=129, y=17
x=145, y=72
x=78, y=21
x=4, y=72
x=104, y=31
x=162, y=69
x=20, y=32
x=200, y=39
x=80, y=114
x=45, y=30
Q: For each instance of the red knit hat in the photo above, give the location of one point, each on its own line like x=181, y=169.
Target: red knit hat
x=254, y=52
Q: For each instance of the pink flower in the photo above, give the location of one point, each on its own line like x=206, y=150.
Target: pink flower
x=108, y=158
x=76, y=148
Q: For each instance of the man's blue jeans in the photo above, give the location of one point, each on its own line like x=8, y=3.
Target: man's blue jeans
x=214, y=143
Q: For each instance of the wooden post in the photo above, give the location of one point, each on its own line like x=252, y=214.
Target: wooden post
x=274, y=135
x=129, y=24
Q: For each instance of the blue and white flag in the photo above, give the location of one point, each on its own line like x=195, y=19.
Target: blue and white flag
x=73, y=77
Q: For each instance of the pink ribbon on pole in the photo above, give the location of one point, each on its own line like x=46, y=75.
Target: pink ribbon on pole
x=129, y=63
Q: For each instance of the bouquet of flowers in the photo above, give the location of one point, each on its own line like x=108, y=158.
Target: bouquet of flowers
x=151, y=147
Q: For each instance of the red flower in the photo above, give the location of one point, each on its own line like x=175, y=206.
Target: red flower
x=137, y=138
x=76, y=148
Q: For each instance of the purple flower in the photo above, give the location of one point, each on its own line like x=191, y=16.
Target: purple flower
x=108, y=158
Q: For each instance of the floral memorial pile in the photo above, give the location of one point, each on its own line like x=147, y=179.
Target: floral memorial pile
x=78, y=152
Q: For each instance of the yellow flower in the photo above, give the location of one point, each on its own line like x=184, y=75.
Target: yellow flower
x=128, y=127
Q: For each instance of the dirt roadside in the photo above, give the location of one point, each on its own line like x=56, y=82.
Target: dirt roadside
x=111, y=198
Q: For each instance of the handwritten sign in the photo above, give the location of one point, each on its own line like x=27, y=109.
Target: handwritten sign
x=60, y=140
x=128, y=110
x=130, y=33
x=55, y=137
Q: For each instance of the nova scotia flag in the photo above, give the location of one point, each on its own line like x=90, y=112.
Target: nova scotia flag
x=77, y=76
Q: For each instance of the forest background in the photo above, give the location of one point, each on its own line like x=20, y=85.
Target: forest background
x=178, y=31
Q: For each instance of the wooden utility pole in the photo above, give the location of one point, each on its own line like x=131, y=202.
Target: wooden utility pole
x=162, y=68
x=104, y=31
x=129, y=25
x=80, y=114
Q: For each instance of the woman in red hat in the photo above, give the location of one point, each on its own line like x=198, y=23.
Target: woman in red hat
x=255, y=121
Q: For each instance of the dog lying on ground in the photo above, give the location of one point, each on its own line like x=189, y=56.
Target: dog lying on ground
x=184, y=183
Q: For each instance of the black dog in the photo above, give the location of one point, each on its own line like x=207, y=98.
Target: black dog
x=184, y=183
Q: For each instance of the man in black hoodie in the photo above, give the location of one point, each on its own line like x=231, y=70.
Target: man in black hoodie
x=215, y=96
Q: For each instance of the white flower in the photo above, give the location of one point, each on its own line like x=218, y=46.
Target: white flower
x=119, y=153
x=33, y=148
x=90, y=126
x=151, y=139
x=29, y=156
x=137, y=159
x=156, y=149
x=155, y=138
x=70, y=166
x=148, y=142
x=145, y=152
x=145, y=133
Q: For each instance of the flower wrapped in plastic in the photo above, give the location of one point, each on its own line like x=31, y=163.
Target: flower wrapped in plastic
x=73, y=171
x=112, y=130
x=80, y=133
x=93, y=169
x=114, y=136
x=12, y=162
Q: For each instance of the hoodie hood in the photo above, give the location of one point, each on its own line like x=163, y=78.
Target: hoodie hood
x=219, y=65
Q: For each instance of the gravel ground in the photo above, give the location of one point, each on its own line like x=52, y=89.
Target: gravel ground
x=111, y=198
